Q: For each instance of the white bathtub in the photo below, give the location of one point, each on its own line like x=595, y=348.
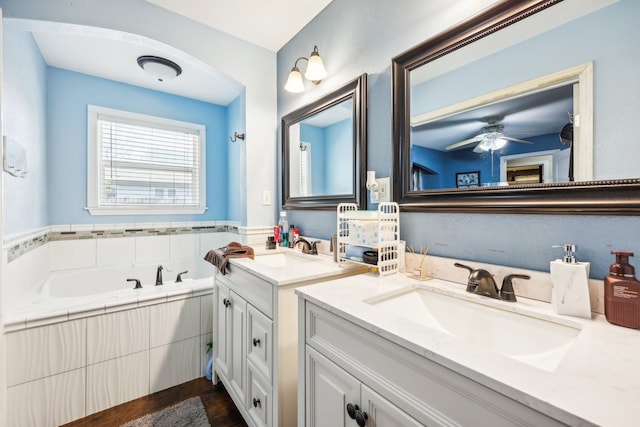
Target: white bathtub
x=72, y=292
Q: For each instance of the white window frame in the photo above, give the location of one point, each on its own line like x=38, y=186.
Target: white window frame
x=93, y=161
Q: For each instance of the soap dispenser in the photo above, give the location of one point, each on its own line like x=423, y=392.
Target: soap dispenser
x=621, y=292
x=570, y=284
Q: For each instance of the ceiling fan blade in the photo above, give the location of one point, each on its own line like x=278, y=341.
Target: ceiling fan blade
x=521, y=141
x=462, y=143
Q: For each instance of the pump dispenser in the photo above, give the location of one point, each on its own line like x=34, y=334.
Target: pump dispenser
x=621, y=291
x=570, y=284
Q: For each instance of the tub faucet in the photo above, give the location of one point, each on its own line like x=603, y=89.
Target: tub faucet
x=159, y=276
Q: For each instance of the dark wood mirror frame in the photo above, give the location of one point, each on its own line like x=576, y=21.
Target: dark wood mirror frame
x=357, y=91
x=611, y=197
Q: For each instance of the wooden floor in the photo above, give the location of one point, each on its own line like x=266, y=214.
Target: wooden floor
x=220, y=408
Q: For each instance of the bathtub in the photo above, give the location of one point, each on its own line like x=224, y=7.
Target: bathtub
x=72, y=292
x=98, y=342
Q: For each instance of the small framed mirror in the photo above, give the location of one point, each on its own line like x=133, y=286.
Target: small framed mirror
x=324, y=150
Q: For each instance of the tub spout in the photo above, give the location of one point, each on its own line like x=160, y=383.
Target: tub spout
x=138, y=285
x=159, y=276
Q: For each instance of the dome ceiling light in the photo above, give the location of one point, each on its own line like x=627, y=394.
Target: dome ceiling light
x=161, y=69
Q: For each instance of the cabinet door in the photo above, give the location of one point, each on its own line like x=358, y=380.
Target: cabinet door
x=382, y=413
x=328, y=391
x=236, y=339
x=221, y=347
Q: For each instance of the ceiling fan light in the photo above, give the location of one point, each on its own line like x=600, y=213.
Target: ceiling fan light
x=498, y=143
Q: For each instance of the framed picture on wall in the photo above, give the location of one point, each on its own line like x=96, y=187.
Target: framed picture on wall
x=467, y=179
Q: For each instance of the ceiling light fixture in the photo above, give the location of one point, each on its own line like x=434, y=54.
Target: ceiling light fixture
x=315, y=72
x=161, y=69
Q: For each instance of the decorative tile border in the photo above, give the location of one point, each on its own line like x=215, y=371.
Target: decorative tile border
x=21, y=247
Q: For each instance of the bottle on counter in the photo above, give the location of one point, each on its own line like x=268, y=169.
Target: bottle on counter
x=621, y=292
x=284, y=229
x=570, y=285
x=292, y=235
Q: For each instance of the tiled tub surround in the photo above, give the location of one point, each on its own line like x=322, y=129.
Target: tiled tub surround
x=70, y=356
x=64, y=371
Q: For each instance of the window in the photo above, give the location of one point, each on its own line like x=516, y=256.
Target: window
x=140, y=164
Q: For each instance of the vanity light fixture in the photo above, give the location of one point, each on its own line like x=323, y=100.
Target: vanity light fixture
x=161, y=69
x=315, y=72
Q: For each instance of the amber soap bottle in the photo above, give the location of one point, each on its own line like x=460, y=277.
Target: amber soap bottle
x=622, y=292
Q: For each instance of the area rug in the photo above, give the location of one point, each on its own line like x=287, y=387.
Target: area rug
x=189, y=413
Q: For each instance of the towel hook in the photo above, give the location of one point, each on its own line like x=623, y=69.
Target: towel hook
x=236, y=136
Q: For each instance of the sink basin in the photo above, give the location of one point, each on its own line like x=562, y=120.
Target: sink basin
x=531, y=340
x=282, y=259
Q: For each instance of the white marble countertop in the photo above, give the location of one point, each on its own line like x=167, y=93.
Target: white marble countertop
x=596, y=383
x=318, y=267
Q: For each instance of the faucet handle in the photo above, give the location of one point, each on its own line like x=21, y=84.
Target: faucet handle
x=314, y=247
x=506, y=290
x=179, y=278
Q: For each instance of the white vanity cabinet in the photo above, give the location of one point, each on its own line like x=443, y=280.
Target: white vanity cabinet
x=343, y=365
x=250, y=360
x=327, y=383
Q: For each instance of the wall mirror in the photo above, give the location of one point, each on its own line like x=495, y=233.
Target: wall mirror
x=518, y=110
x=324, y=150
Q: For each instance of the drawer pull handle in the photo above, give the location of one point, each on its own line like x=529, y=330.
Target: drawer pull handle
x=356, y=414
x=256, y=402
x=256, y=342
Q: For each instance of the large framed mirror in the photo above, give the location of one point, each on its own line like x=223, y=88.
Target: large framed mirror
x=324, y=150
x=519, y=109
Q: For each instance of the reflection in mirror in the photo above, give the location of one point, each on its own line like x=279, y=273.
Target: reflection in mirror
x=321, y=153
x=510, y=96
x=514, y=136
x=324, y=150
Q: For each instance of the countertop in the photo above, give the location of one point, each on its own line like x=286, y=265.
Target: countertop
x=596, y=383
x=318, y=267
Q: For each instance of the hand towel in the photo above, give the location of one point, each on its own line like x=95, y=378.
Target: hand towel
x=220, y=257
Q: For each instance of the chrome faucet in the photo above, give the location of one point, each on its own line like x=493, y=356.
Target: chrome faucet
x=159, y=275
x=481, y=282
x=307, y=248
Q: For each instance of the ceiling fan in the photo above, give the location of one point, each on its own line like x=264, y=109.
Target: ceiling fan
x=491, y=138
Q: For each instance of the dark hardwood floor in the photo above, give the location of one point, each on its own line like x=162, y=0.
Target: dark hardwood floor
x=220, y=408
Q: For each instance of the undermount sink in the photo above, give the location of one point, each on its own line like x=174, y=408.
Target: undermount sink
x=531, y=340
x=282, y=259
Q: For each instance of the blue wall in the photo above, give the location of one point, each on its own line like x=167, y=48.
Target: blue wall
x=331, y=156
x=236, y=179
x=69, y=93
x=359, y=36
x=24, y=116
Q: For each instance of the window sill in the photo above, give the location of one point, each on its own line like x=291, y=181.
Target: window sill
x=147, y=210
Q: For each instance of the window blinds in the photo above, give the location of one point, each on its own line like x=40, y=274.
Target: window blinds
x=147, y=165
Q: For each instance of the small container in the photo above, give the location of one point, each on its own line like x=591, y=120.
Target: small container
x=271, y=242
x=621, y=292
x=370, y=257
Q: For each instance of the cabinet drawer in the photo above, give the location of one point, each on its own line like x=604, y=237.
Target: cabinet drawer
x=259, y=403
x=254, y=290
x=260, y=342
x=425, y=390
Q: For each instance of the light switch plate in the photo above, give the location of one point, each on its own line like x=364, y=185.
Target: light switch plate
x=266, y=198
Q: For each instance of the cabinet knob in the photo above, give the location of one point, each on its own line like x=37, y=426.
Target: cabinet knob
x=356, y=414
x=256, y=402
x=226, y=302
x=256, y=342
